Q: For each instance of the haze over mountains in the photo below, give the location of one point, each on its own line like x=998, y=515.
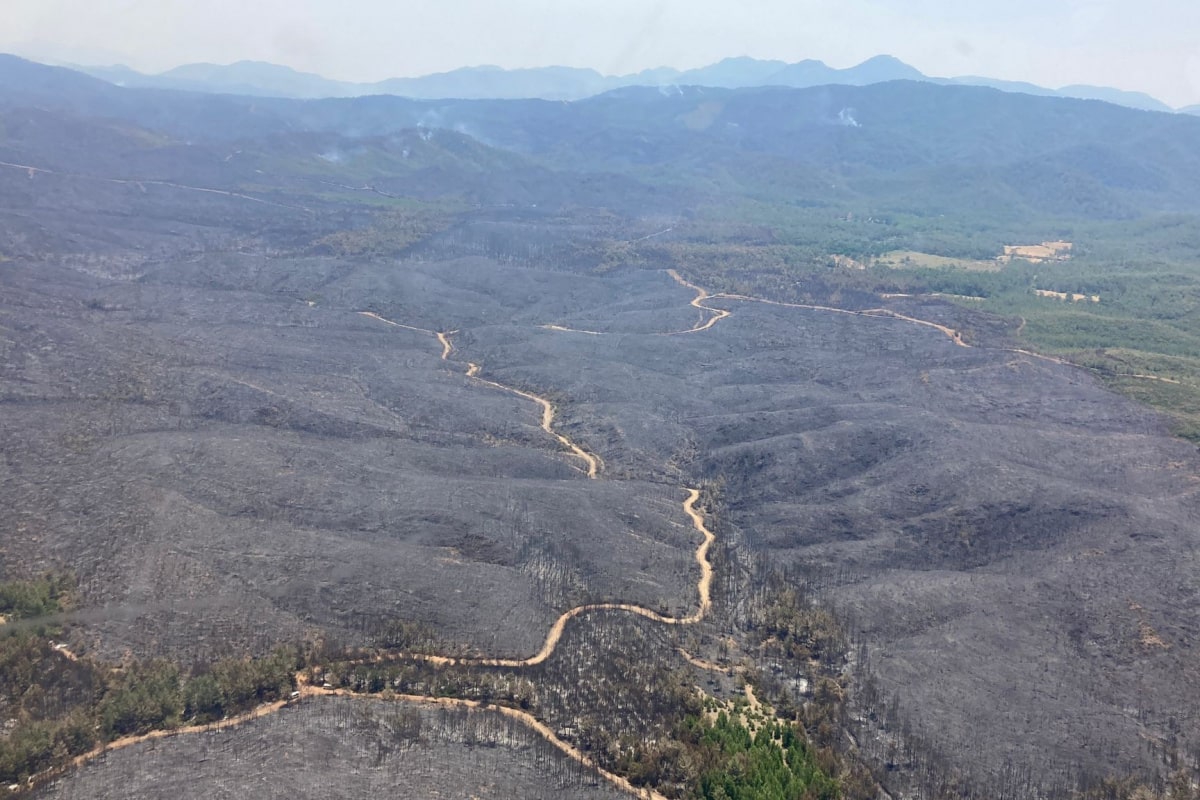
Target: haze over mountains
x=899, y=146
x=902, y=145
x=567, y=83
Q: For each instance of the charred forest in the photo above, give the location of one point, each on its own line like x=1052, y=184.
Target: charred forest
x=584, y=450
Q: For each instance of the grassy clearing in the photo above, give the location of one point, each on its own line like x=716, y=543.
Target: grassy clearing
x=911, y=259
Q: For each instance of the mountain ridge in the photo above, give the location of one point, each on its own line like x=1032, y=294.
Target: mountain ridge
x=487, y=82
x=908, y=145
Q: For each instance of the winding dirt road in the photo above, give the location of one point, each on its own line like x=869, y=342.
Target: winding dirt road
x=523, y=717
x=554, y=636
x=718, y=314
x=447, y=348
x=703, y=587
x=689, y=505
x=592, y=462
x=129, y=741
x=307, y=690
x=954, y=335
x=879, y=313
x=386, y=321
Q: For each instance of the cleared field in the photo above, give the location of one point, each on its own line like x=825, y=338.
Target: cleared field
x=1074, y=297
x=1046, y=251
x=911, y=259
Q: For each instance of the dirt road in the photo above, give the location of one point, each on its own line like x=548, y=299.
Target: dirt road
x=554, y=636
x=703, y=588
x=718, y=314
x=523, y=717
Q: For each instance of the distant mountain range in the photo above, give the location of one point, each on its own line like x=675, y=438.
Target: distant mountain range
x=907, y=146
x=261, y=79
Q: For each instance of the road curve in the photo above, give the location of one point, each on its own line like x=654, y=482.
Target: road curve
x=703, y=588
x=524, y=717
x=718, y=314
x=592, y=462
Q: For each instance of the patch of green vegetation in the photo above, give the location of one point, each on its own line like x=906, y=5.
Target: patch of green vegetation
x=145, y=696
x=37, y=746
x=862, y=231
x=775, y=763
x=108, y=705
x=49, y=594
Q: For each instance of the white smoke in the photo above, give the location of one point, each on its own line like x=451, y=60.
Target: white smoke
x=431, y=119
x=846, y=117
x=474, y=133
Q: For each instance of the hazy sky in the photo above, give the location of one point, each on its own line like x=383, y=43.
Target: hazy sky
x=1148, y=45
